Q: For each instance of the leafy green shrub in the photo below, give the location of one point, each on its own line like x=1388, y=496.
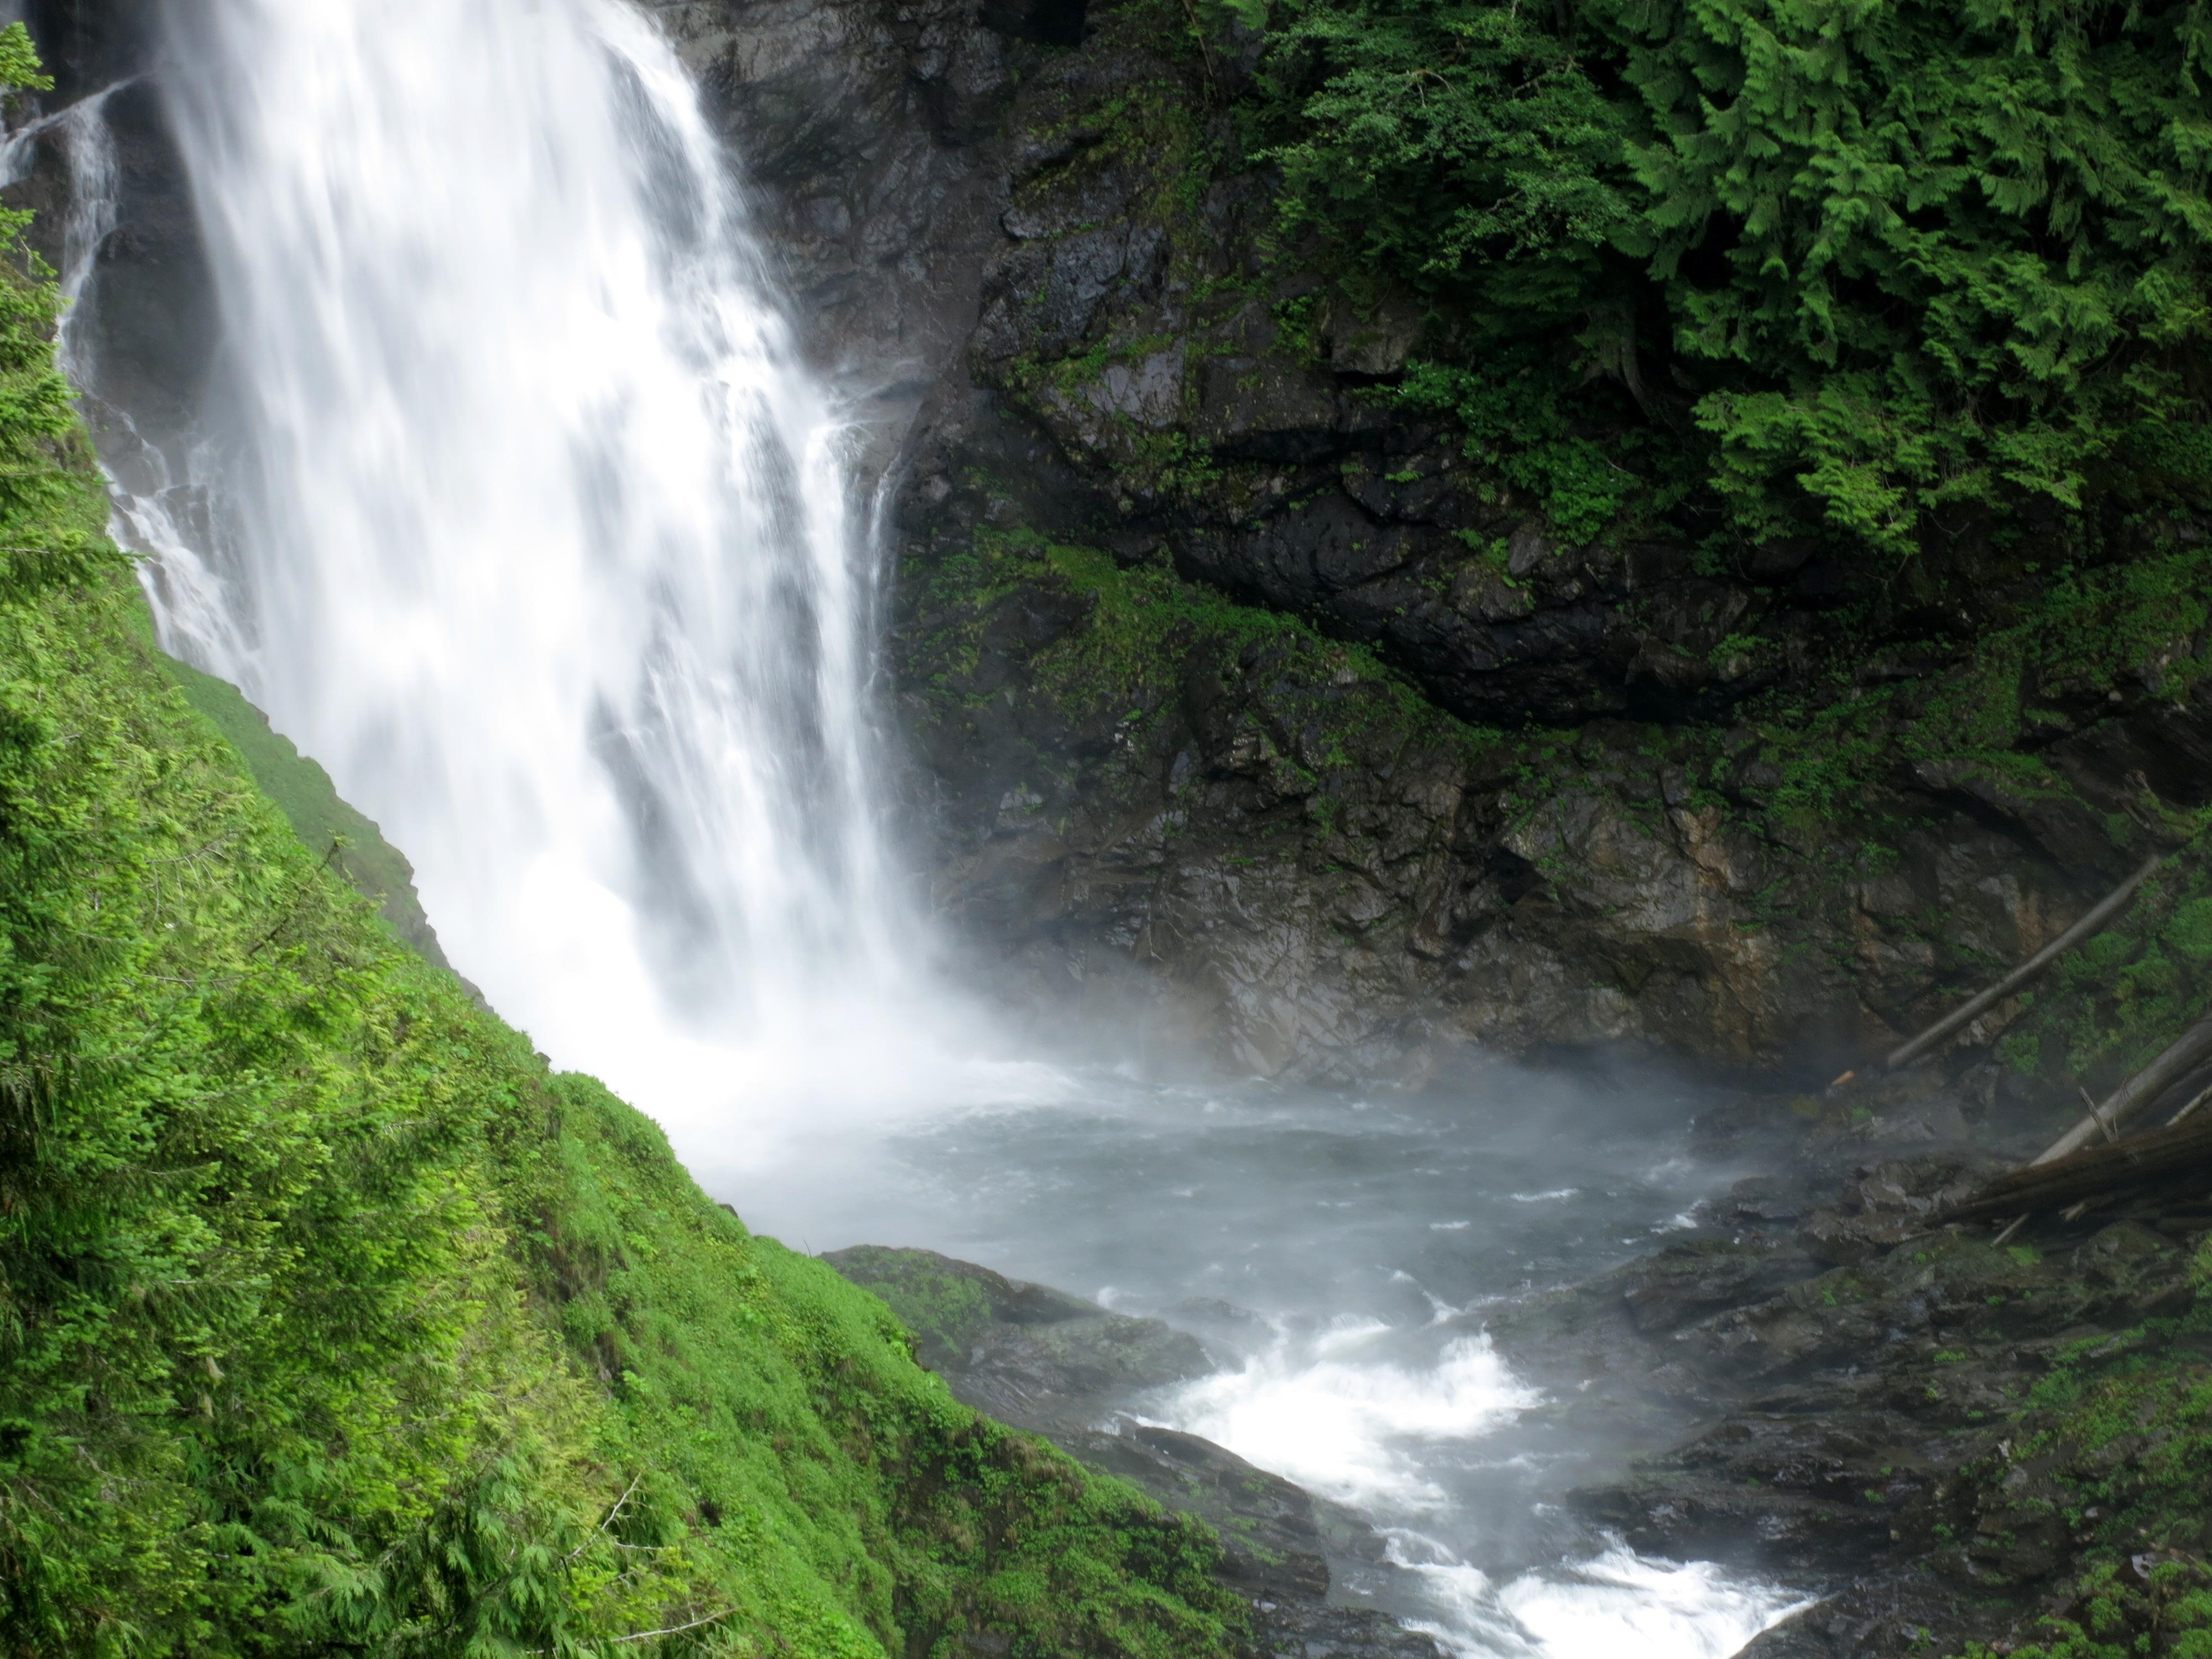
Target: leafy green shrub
x=1516, y=422
x=1458, y=144
x=2190, y=931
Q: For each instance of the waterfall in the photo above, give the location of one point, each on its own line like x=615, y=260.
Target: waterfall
x=541, y=536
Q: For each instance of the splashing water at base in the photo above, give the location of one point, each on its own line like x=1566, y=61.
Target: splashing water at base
x=1340, y=1259
x=1348, y=1425
x=1396, y=1439
x=1615, y=1603
x=545, y=543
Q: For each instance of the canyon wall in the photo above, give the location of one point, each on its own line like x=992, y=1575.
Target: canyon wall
x=1249, y=692
x=1251, y=696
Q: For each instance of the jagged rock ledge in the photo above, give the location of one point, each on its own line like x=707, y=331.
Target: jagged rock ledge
x=1954, y=1437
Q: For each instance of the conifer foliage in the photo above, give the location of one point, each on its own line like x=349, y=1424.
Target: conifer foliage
x=1881, y=260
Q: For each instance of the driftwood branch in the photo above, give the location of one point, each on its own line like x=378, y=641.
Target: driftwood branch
x=2195, y=1101
x=600, y=1531
x=2097, y=1171
x=2188, y=1051
x=2090, y=925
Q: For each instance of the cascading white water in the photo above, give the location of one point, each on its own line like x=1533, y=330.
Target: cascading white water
x=546, y=546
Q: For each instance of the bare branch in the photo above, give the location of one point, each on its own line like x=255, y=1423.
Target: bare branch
x=596, y=1532
x=674, y=1630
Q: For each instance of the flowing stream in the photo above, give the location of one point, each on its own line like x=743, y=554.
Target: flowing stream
x=534, y=529
x=1338, y=1255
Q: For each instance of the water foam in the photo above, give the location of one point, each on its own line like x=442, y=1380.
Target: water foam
x=1359, y=1430
x=1617, y=1603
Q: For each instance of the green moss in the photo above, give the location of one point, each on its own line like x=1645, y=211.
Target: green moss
x=1137, y=631
x=945, y=1311
x=1538, y=438
x=2190, y=931
x=310, y=802
x=2117, y=1439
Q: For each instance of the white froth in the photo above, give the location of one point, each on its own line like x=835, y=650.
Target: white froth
x=1354, y=1432
x=1615, y=1605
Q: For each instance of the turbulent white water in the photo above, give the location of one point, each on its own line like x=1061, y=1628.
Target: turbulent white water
x=1340, y=1257
x=546, y=544
x=1341, y=1421
x=1407, y=1445
x=1614, y=1604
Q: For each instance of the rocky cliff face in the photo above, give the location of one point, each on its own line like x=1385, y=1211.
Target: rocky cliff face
x=146, y=321
x=1248, y=694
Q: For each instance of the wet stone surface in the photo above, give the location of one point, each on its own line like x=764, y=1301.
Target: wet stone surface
x=1863, y=1381
x=1004, y=237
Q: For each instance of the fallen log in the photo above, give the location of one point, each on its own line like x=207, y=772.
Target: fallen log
x=2104, y=1121
x=2098, y=1171
x=2090, y=925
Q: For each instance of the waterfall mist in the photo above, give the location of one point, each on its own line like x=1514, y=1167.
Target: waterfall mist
x=545, y=541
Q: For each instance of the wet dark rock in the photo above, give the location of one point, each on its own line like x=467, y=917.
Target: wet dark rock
x=1278, y=1540
x=1267, y=1523
x=1029, y=1355
x=1687, y=1282
x=86, y=47
x=1761, y=1201
x=868, y=130
x=981, y=210
x=1847, y=1375
x=148, y=315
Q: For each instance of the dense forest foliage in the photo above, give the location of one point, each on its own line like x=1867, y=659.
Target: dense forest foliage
x=1869, y=267
x=331, y=1322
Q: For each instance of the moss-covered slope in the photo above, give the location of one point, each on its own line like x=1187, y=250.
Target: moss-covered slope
x=331, y=1321
x=311, y=803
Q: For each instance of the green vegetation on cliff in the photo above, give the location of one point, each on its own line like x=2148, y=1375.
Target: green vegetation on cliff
x=1875, y=265
x=2112, y=1450
x=311, y=803
x=331, y=1321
